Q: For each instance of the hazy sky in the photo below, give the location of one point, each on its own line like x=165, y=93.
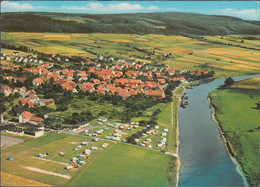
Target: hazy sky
x=243, y=9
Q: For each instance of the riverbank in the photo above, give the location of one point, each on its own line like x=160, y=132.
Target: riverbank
x=227, y=144
x=178, y=97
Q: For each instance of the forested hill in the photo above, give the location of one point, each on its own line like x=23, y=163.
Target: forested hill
x=168, y=23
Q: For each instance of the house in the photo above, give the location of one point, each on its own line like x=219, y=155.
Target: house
x=46, y=102
x=161, y=81
x=2, y=118
x=37, y=81
x=26, y=101
x=33, y=98
x=182, y=79
x=124, y=94
x=171, y=71
x=20, y=90
x=155, y=93
x=6, y=90
x=7, y=57
x=15, y=53
x=100, y=57
x=25, y=117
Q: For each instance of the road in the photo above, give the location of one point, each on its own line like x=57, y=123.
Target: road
x=7, y=141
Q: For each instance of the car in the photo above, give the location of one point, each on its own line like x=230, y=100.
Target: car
x=25, y=140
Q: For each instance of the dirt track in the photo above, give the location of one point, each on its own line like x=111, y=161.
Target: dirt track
x=46, y=172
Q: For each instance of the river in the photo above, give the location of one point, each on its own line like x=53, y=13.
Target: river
x=204, y=159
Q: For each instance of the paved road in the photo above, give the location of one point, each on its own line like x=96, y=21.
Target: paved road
x=7, y=141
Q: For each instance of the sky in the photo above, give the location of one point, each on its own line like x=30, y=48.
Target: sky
x=248, y=10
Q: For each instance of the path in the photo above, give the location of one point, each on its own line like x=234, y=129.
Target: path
x=45, y=172
x=50, y=160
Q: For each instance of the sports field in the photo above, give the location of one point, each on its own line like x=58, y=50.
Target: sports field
x=212, y=52
x=239, y=117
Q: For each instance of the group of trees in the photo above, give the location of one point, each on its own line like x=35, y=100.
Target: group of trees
x=76, y=117
x=9, y=99
x=175, y=23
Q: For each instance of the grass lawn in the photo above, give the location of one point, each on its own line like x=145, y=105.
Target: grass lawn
x=53, y=143
x=237, y=113
x=125, y=165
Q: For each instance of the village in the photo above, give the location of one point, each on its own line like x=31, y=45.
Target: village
x=100, y=76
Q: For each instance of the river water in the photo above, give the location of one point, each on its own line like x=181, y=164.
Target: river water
x=204, y=159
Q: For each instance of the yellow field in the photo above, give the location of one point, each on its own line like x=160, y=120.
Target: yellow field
x=186, y=52
x=57, y=36
x=252, y=83
x=35, y=44
x=120, y=40
x=171, y=38
x=13, y=180
x=10, y=51
x=18, y=34
x=159, y=27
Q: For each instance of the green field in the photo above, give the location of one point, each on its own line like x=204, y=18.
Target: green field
x=239, y=118
x=118, y=165
x=53, y=143
x=187, y=53
x=124, y=165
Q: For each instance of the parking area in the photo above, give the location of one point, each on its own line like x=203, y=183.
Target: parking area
x=7, y=141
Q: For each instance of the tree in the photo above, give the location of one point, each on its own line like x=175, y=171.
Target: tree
x=229, y=81
x=258, y=105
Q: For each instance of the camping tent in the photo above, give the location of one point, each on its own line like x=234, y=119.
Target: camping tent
x=10, y=159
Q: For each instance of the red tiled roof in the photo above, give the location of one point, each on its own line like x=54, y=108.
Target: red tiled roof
x=24, y=101
x=178, y=79
x=36, y=119
x=38, y=80
x=6, y=88
x=161, y=80
x=27, y=115
x=124, y=94
x=155, y=93
x=48, y=100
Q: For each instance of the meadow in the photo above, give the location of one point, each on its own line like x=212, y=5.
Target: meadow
x=125, y=165
x=119, y=164
x=237, y=113
x=215, y=53
x=25, y=153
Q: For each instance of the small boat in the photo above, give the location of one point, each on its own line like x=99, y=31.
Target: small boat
x=182, y=105
x=198, y=173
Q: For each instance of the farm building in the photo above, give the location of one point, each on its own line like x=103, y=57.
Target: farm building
x=24, y=129
x=46, y=102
